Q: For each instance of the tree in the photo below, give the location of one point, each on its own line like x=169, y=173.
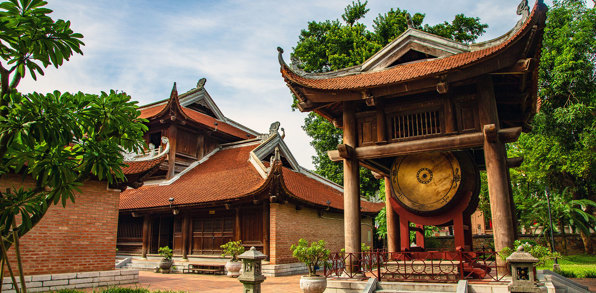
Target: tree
x=559, y=152
x=58, y=140
x=331, y=45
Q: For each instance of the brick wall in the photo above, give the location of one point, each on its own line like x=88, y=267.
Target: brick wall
x=78, y=238
x=288, y=225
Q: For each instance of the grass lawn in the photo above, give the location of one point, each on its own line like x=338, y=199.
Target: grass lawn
x=575, y=266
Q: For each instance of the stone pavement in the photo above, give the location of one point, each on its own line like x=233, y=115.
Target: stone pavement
x=212, y=284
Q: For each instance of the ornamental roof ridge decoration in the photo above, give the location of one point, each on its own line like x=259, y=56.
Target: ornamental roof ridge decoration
x=150, y=155
x=475, y=53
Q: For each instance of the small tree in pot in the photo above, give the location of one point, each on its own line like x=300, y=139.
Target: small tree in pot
x=233, y=249
x=311, y=256
x=166, y=262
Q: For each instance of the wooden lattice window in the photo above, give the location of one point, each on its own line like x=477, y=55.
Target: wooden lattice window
x=415, y=124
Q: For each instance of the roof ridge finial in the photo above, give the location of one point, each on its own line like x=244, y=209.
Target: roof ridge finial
x=409, y=21
x=523, y=9
x=174, y=92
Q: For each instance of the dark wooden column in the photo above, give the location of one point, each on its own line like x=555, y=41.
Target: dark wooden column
x=237, y=230
x=266, y=228
x=392, y=221
x=146, y=232
x=351, y=183
x=172, y=155
x=185, y=234
x=496, y=167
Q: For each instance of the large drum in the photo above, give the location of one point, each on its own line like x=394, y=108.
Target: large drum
x=432, y=183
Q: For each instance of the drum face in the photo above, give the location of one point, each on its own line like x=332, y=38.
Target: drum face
x=430, y=182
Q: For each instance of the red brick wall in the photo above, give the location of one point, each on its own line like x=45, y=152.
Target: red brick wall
x=288, y=225
x=78, y=238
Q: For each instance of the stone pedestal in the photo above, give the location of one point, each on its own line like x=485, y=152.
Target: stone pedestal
x=523, y=272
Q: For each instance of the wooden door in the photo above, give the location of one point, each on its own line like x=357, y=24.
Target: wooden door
x=252, y=227
x=209, y=233
x=177, y=235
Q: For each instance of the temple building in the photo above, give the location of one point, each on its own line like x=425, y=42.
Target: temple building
x=222, y=181
x=427, y=113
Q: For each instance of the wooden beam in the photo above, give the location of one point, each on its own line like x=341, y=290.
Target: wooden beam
x=514, y=162
x=172, y=131
x=522, y=66
x=345, y=151
x=444, y=143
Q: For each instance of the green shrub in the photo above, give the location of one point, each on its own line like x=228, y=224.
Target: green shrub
x=67, y=291
x=310, y=255
x=233, y=249
x=165, y=252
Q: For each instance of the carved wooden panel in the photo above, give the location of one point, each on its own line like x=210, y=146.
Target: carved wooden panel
x=467, y=114
x=367, y=130
x=186, y=143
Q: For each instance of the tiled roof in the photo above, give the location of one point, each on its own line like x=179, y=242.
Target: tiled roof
x=200, y=118
x=136, y=167
x=410, y=71
x=224, y=176
x=228, y=175
x=311, y=190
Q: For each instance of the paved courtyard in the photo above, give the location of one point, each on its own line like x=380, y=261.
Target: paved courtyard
x=212, y=284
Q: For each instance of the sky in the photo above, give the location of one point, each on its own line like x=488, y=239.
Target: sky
x=142, y=47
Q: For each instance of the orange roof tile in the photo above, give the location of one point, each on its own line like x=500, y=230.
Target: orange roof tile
x=313, y=191
x=200, y=118
x=410, y=71
x=228, y=175
x=136, y=167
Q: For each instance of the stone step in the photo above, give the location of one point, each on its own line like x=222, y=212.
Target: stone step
x=408, y=291
x=415, y=287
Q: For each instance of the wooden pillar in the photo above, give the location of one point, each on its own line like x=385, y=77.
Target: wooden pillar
x=146, y=232
x=496, y=168
x=420, y=235
x=392, y=218
x=404, y=233
x=266, y=229
x=468, y=240
x=351, y=183
x=185, y=234
x=459, y=237
x=237, y=230
x=172, y=155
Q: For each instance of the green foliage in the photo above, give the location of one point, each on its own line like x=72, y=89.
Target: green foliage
x=233, y=249
x=390, y=25
x=364, y=247
x=59, y=140
x=543, y=254
x=354, y=12
x=575, y=266
x=165, y=252
x=31, y=38
x=559, y=152
x=310, y=255
x=462, y=29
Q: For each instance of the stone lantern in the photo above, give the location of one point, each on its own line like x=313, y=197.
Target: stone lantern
x=523, y=272
x=251, y=276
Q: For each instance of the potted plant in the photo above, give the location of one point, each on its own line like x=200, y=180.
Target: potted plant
x=311, y=256
x=166, y=262
x=233, y=249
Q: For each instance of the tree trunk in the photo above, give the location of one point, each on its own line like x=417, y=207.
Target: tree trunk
x=587, y=241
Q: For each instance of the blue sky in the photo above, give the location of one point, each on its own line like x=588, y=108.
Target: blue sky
x=142, y=47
